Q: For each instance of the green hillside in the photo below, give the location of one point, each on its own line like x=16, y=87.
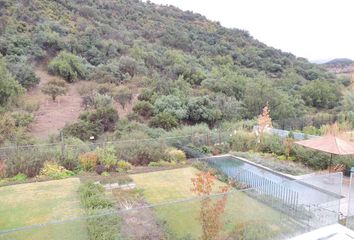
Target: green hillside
x=184, y=68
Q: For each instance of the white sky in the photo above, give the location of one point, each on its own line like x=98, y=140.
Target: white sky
x=314, y=29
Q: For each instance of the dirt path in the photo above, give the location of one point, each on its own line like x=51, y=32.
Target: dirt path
x=140, y=224
x=52, y=116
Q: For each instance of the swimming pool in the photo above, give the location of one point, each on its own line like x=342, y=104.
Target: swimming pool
x=235, y=167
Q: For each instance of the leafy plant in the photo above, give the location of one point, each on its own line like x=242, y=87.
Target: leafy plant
x=107, y=156
x=53, y=170
x=123, y=166
x=88, y=161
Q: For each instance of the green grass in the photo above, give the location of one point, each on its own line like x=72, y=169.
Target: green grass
x=30, y=204
x=181, y=218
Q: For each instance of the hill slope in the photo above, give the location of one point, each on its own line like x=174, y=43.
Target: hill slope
x=192, y=69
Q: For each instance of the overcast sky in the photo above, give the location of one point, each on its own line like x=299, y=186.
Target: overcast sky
x=314, y=29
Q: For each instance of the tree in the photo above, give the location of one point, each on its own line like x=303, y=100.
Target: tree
x=55, y=88
x=321, y=94
x=264, y=120
x=261, y=91
x=10, y=89
x=200, y=109
x=68, y=66
x=211, y=210
x=123, y=95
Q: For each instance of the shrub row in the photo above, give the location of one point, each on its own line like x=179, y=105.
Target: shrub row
x=102, y=221
x=285, y=149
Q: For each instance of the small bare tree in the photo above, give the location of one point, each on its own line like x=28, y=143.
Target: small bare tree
x=211, y=210
x=264, y=121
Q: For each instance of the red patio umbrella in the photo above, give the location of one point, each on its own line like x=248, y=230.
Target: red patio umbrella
x=330, y=144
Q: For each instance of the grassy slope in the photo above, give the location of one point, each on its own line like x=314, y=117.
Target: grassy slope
x=182, y=218
x=37, y=203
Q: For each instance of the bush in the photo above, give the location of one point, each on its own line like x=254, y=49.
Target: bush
x=140, y=152
x=123, y=166
x=10, y=89
x=70, y=159
x=22, y=119
x=20, y=177
x=23, y=72
x=164, y=120
x=103, y=118
x=243, y=141
x=29, y=161
x=123, y=95
x=107, y=156
x=29, y=105
x=100, y=169
x=314, y=159
x=53, y=170
x=68, y=66
x=144, y=109
x=176, y=155
x=93, y=197
x=88, y=161
x=99, y=226
x=82, y=130
x=55, y=88
x=272, y=144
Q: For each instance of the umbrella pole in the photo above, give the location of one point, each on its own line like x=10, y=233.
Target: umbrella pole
x=330, y=163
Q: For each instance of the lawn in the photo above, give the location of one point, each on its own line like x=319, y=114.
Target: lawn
x=30, y=204
x=181, y=219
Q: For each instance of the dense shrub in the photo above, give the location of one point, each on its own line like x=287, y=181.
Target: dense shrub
x=88, y=161
x=243, y=141
x=164, y=120
x=171, y=104
x=23, y=72
x=311, y=158
x=93, y=197
x=140, y=152
x=29, y=161
x=272, y=144
x=10, y=89
x=321, y=94
x=144, y=109
x=82, y=130
x=68, y=66
x=100, y=226
x=70, y=155
x=176, y=155
x=103, y=118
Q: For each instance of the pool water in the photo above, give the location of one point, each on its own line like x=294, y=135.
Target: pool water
x=307, y=194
